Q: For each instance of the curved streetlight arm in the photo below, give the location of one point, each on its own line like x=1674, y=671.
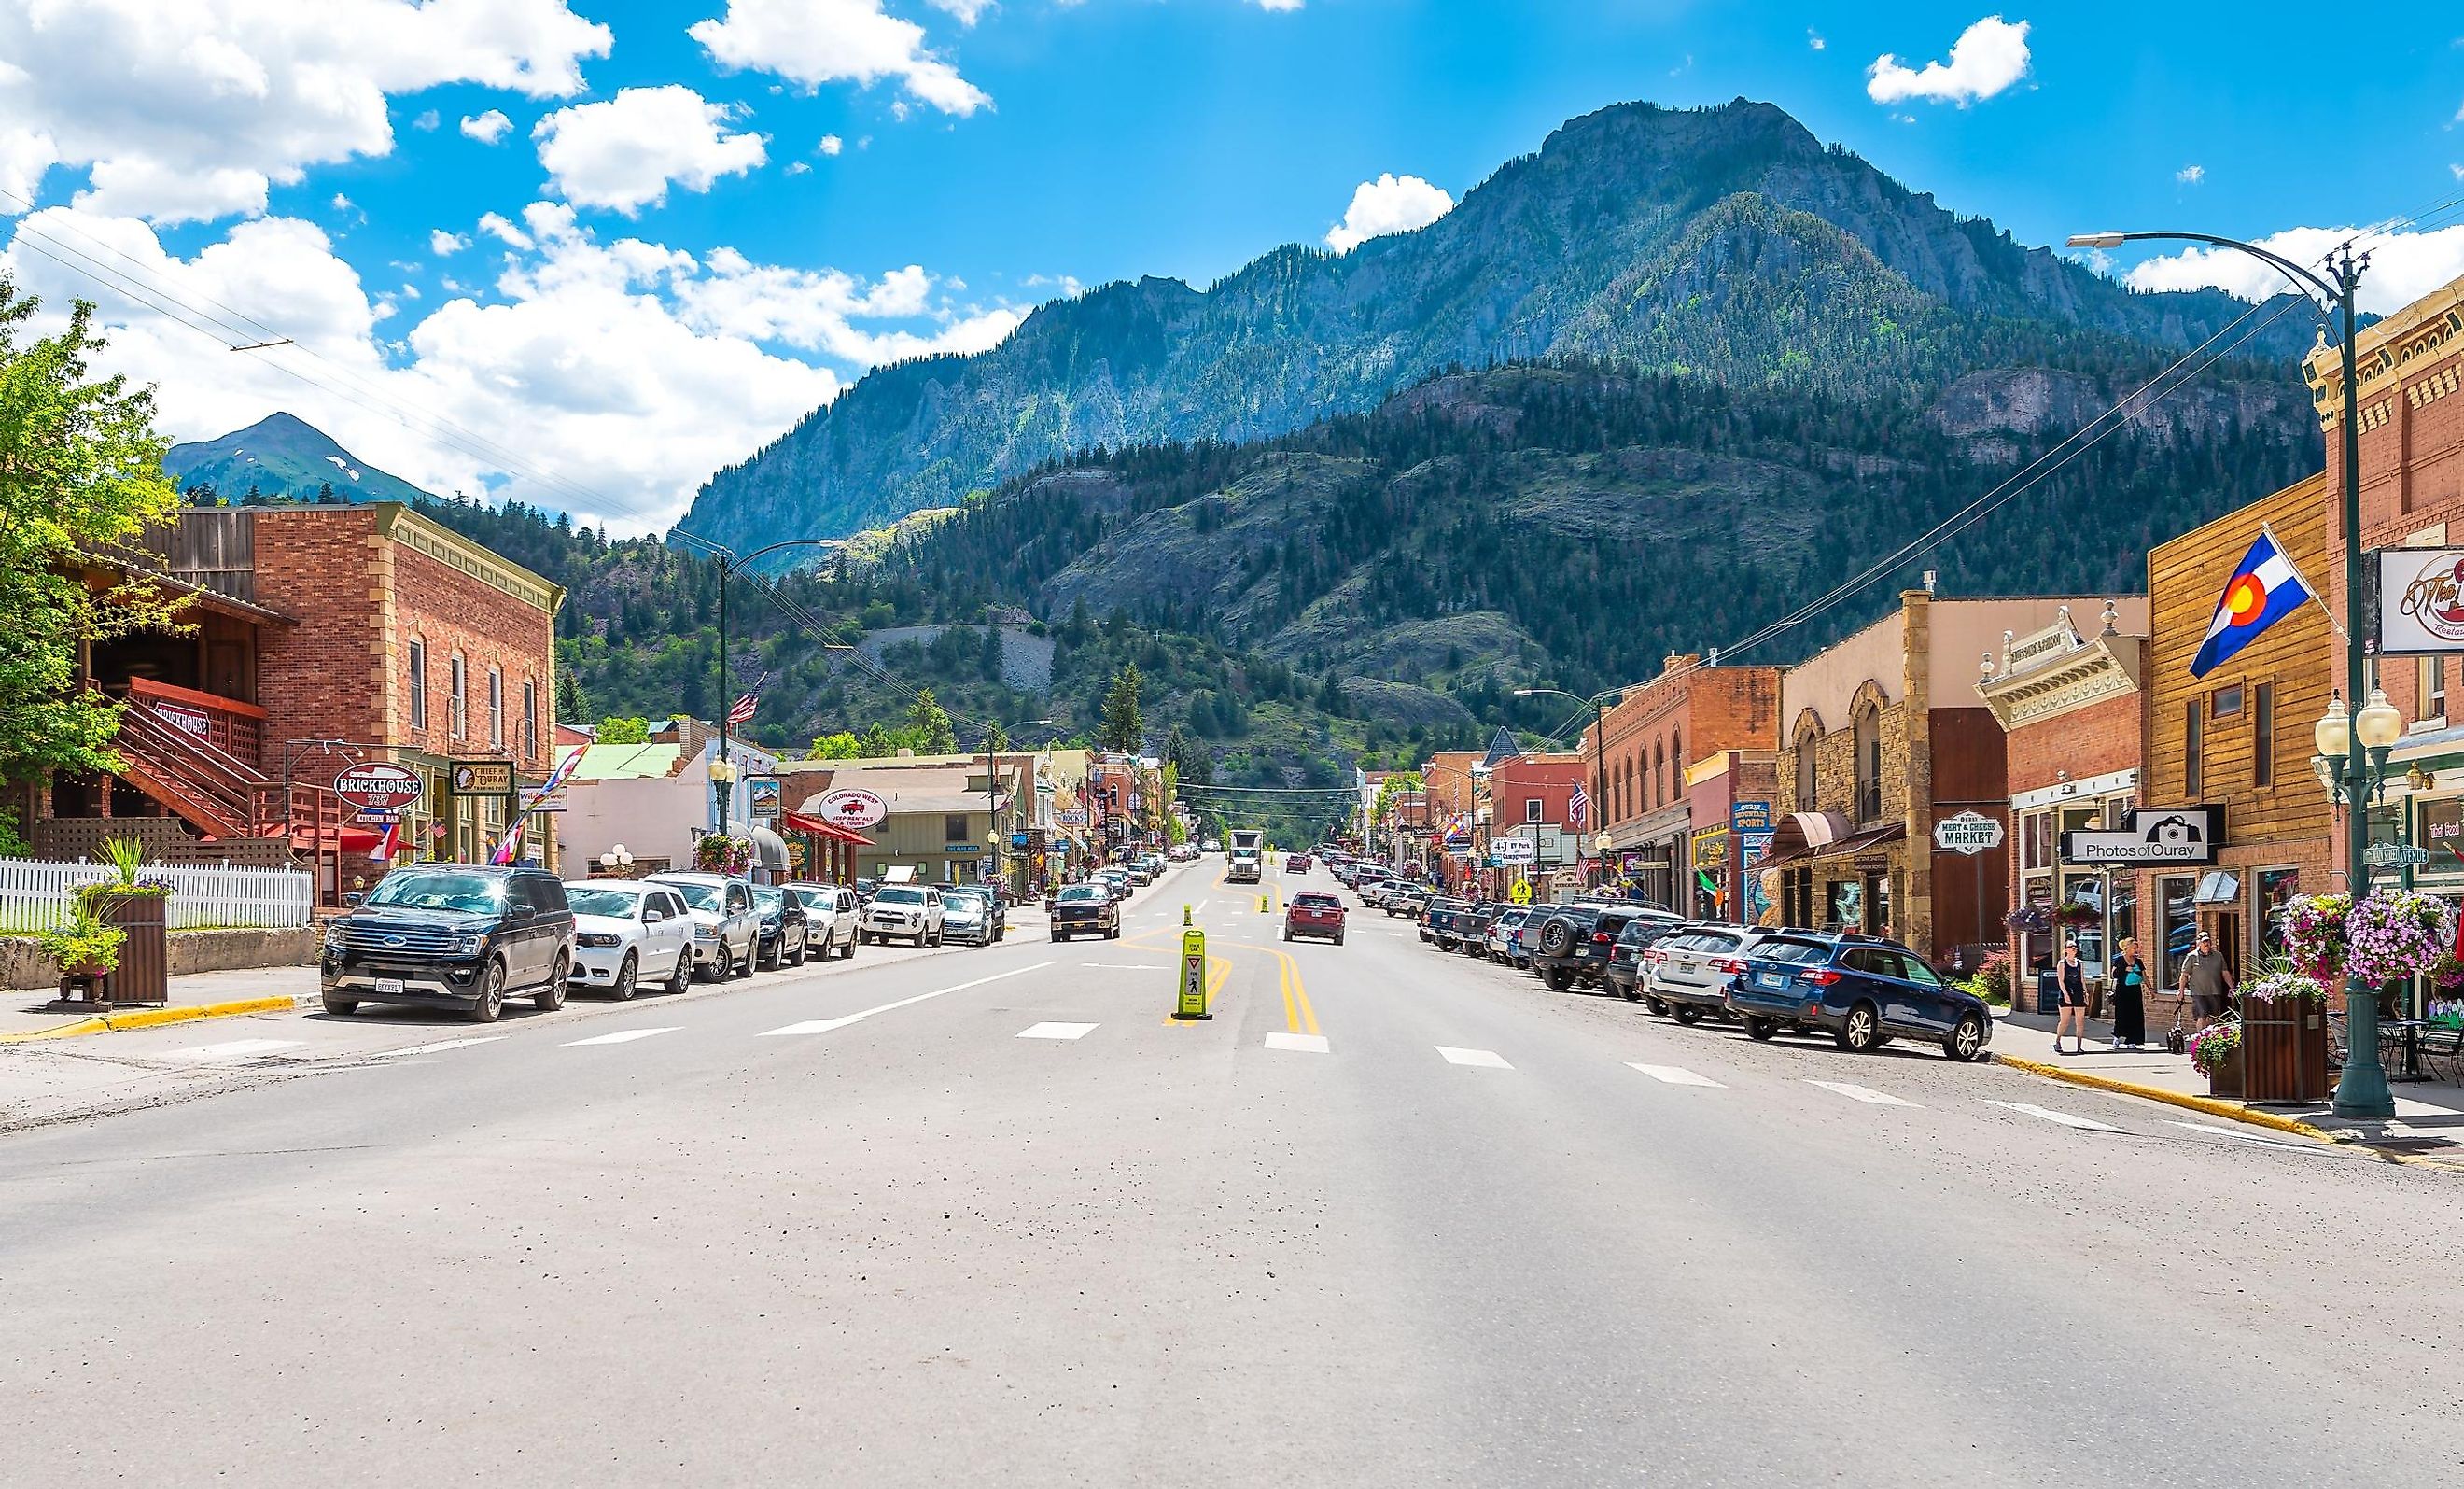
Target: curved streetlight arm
x=2310, y=281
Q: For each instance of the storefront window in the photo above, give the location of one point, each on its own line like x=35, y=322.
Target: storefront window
x=2122, y=912
x=2277, y=888
x=2181, y=922
x=2087, y=892
x=1846, y=910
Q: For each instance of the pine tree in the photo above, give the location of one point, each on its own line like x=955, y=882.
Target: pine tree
x=929, y=730
x=1123, y=730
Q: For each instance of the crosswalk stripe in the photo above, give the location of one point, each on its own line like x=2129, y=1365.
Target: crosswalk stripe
x=1310, y=1044
x=2250, y=1137
x=1049, y=1031
x=233, y=1050
x=621, y=1036
x=1674, y=1076
x=1866, y=1094
x=438, y=1048
x=2047, y=1113
x=817, y=1025
x=1484, y=1059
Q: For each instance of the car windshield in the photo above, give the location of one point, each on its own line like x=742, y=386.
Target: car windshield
x=465, y=893
x=702, y=897
x=1079, y=893
x=1317, y=901
x=599, y=899
x=900, y=894
x=769, y=897
x=1796, y=953
x=961, y=907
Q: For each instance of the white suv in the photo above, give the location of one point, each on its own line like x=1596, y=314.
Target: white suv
x=726, y=927
x=903, y=912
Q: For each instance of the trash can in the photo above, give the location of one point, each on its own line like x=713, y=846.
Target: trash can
x=145, y=971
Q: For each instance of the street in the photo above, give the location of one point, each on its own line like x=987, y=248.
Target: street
x=923, y=1219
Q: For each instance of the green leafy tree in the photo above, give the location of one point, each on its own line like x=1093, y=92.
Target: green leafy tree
x=929, y=730
x=874, y=744
x=1188, y=757
x=1124, y=730
x=842, y=744
x=570, y=703
x=623, y=731
x=80, y=472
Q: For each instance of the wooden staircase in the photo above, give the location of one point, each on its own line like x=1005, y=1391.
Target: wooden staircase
x=211, y=790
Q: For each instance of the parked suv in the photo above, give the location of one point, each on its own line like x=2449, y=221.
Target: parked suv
x=906, y=912
x=832, y=916
x=1628, y=955
x=1861, y=991
x=727, y=930
x=786, y=931
x=1576, y=943
x=1686, y=974
x=450, y=935
x=626, y=934
x=1499, y=942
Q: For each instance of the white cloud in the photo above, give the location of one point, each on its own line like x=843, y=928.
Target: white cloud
x=1278, y=5
x=2190, y=175
x=1988, y=57
x=812, y=42
x=442, y=243
x=504, y=231
x=800, y=167
x=831, y=144
x=624, y=152
x=2404, y=266
x=427, y=120
x=1814, y=40
x=968, y=12
x=2458, y=171
x=1389, y=204
x=195, y=110
x=628, y=367
x=487, y=128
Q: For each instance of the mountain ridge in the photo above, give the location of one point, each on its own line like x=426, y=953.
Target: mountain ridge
x=283, y=457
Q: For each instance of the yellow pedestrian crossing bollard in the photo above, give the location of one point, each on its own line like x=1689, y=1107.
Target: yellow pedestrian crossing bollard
x=1262, y=905
x=1193, y=976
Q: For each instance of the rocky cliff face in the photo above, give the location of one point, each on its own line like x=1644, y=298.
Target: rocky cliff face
x=1985, y=408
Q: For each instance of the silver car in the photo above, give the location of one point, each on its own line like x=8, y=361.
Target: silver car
x=1501, y=936
x=1686, y=975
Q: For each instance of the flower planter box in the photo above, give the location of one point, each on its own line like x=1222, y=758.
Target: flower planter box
x=2284, y=1051
x=2227, y=1081
x=145, y=971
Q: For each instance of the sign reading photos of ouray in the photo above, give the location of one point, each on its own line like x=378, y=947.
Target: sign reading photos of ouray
x=2154, y=837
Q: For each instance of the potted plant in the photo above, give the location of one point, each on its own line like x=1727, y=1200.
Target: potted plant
x=1992, y=979
x=82, y=945
x=2392, y=935
x=2215, y=1053
x=717, y=853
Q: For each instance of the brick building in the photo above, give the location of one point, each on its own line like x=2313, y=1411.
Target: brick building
x=2069, y=702
x=1530, y=797
x=1731, y=797
x=1642, y=749
x=1886, y=738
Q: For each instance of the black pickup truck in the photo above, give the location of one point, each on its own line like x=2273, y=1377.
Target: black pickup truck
x=1455, y=925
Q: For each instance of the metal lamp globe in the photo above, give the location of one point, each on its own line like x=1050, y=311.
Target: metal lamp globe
x=2378, y=725
x=2334, y=731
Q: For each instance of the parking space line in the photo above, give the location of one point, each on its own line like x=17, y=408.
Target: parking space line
x=1307, y=1044
x=622, y=1036
x=1049, y=1030
x=1866, y=1093
x=2253, y=1137
x=1482, y=1059
x=2048, y=1114
x=233, y=1050
x=1674, y=1075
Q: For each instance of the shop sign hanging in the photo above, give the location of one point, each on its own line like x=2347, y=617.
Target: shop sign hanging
x=1969, y=832
x=2154, y=837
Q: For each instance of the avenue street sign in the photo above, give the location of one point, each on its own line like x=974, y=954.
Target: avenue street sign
x=1969, y=832
x=378, y=787
x=2394, y=856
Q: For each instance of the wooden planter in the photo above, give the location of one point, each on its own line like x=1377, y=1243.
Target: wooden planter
x=2284, y=1051
x=145, y=971
x=2227, y=1081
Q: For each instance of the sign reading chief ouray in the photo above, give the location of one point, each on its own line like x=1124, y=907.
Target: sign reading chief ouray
x=2154, y=837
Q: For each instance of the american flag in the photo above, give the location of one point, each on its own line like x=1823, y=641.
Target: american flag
x=742, y=710
x=1577, y=804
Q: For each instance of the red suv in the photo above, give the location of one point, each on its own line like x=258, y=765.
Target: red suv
x=1296, y=864
x=1314, y=914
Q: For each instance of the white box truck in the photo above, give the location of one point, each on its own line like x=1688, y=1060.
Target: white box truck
x=1247, y=864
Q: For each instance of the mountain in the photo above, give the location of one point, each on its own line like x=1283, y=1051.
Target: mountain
x=1727, y=244
x=282, y=457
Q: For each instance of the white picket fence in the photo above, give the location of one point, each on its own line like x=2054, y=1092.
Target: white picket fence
x=35, y=893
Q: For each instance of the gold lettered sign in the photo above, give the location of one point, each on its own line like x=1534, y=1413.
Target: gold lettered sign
x=480, y=778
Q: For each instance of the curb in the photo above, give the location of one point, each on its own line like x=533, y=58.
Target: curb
x=149, y=1018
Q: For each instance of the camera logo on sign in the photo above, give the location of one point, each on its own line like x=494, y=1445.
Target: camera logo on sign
x=2175, y=831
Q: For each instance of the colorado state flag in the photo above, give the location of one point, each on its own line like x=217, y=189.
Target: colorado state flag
x=2262, y=592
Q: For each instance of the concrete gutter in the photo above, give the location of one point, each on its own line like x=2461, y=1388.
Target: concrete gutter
x=2231, y=1111
x=149, y=1018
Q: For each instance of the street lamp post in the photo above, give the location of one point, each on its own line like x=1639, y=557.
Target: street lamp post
x=2362, y=1090
x=1600, y=749
x=722, y=778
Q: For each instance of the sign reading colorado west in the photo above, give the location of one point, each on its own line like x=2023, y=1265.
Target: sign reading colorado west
x=2420, y=601
x=1969, y=832
x=2154, y=837
x=852, y=808
x=378, y=785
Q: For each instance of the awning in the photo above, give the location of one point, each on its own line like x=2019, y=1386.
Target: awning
x=802, y=822
x=1795, y=839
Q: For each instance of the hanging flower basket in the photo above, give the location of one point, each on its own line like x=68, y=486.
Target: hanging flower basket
x=719, y=853
x=2032, y=919
x=2073, y=916
x=2396, y=934
x=2315, y=935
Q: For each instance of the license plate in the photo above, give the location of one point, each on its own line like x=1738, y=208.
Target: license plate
x=1770, y=980
x=390, y=985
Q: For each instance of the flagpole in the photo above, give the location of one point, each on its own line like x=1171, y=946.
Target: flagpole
x=2318, y=596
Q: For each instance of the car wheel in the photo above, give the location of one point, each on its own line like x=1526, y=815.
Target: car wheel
x=1656, y=1007
x=1861, y=1031
x=1339, y=938
x=335, y=1005
x=1057, y=937
x=849, y=953
x=625, y=971
x=715, y=971
x=1115, y=934
x=490, y=1003
x=1287, y=933
x=1633, y=994
x=550, y=998
x=1967, y=1042
x=1762, y=1029
x=801, y=952
x=680, y=975
x=1688, y=1012
x=1558, y=978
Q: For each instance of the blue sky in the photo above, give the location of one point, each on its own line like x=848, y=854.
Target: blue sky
x=653, y=261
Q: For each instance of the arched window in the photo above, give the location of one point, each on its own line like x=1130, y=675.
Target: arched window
x=1806, y=750
x=1659, y=768
x=1868, y=726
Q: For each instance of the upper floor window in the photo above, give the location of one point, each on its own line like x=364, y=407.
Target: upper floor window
x=2431, y=690
x=1806, y=750
x=496, y=709
x=2262, y=734
x=530, y=718
x=1531, y=808
x=457, y=699
x=1869, y=766
x=954, y=829
x=418, y=683
x=2194, y=774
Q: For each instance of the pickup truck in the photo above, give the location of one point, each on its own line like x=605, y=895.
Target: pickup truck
x=1453, y=925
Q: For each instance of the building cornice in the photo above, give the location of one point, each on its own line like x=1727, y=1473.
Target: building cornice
x=2421, y=331
x=2103, y=668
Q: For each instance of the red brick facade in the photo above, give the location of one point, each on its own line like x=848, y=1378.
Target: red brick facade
x=1688, y=713
x=2097, y=740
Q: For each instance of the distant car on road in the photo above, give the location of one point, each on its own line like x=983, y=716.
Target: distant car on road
x=450, y=935
x=1313, y=913
x=627, y=933
x=1861, y=991
x=1088, y=909
x=835, y=919
x=972, y=915
x=910, y=913
x=1297, y=863
x=726, y=930
x=785, y=931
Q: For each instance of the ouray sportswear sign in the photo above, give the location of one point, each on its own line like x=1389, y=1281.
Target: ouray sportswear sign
x=2153, y=836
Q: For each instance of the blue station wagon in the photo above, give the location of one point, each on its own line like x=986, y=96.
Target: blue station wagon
x=1861, y=991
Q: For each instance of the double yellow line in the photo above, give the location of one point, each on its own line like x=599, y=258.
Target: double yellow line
x=1300, y=1017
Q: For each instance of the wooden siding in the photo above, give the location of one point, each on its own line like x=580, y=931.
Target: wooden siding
x=2185, y=578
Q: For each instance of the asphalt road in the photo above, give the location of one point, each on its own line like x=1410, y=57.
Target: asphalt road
x=991, y=1215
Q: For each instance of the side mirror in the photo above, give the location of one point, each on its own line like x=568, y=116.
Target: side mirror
x=653, y=915
x=352, y=898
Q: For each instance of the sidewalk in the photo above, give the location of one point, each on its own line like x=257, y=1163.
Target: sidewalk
x=2428, y=1115
x=22, y=1011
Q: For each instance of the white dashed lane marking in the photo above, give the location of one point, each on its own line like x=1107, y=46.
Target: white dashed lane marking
x=233, y=1050
x=438, y=1048
x=1484, y=1059
x=2253, y=1137
x=1673, y=1076
x=1056, y=1031
x=2048, y=1114
x=622, y=1036
x=1310, y=1044
x=1866, y=1094
x=817, y=1025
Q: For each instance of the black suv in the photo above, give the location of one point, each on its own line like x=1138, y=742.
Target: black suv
x=1623, y=973
x=452, y=936
x=1576, y=941
x=786, y=932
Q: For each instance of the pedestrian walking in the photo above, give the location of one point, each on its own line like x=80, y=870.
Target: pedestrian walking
x=2129, y=997
x=2208, y=980
x=2071, y=979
